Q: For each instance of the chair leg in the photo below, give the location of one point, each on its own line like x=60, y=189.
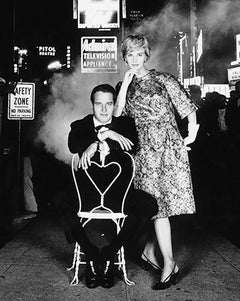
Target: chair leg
x=74, y=257
x=123, y=267
x=76, y=263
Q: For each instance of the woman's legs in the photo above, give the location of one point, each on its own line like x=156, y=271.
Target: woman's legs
x=149, y=254
x=164, y=238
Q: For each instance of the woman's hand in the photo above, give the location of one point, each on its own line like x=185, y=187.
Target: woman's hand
x=128, y=76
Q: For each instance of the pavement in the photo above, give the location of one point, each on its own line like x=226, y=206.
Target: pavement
x=33, y=267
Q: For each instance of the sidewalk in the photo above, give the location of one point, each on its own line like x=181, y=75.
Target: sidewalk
x=33, y=267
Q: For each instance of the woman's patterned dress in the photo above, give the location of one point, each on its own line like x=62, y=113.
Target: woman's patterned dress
x=162, y=166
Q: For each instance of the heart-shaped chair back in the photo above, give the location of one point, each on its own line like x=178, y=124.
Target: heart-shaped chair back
x=105, y=185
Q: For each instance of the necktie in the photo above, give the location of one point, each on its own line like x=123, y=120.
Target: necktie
x=108, y=125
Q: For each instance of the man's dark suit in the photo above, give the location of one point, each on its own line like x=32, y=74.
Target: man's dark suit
x=138, y=206
x=82, y=133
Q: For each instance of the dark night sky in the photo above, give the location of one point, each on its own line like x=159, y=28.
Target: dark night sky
x=46, y=20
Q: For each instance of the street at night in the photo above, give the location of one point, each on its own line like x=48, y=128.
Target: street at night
x=52, y=55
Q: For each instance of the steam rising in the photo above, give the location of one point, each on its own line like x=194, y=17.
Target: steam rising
x=219, y=17
x=69, y=99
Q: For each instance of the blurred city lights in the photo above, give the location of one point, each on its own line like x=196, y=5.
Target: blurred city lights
x=56, y=65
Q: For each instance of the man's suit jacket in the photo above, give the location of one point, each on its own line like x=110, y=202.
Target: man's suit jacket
x=82, y=133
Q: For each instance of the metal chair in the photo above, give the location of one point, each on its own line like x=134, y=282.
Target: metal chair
x=104, y=207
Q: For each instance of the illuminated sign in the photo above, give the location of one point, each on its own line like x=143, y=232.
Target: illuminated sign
x=136, y=15
x=199, y=46
x=238, y=47
x=46, y=50
x=21, y=103
x=74, y=5
x=233, y=73
x=98, y=14
x=99, y=54
x=220, y=88
x=197, y=80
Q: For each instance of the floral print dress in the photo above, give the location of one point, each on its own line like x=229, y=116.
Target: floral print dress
x=162, y=165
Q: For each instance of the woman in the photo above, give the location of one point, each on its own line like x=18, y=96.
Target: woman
x=162, y=166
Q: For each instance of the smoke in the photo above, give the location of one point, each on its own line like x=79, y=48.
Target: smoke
x=220, y=22
x=218, y=18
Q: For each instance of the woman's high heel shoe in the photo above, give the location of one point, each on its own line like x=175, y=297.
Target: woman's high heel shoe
x=147, y=263
x=172, y=278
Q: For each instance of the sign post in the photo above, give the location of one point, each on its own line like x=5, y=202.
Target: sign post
x=21, y=104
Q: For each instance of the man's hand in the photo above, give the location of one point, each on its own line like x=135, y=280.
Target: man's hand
x=76, y=163
x=125, y=143
x=87, y=155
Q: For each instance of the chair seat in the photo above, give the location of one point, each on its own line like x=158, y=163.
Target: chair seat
x=101, y=215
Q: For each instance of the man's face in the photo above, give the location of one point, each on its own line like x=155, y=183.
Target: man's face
x=103, y=106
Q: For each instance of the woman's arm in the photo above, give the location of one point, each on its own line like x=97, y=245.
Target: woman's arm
x=121, y=98
x=192, y=118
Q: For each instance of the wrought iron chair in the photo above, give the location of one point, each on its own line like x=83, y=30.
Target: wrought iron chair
x=104, y=205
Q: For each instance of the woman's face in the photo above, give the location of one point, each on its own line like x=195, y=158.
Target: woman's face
x=136, y=59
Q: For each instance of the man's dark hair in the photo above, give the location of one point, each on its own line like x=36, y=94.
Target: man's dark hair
x=103, y=88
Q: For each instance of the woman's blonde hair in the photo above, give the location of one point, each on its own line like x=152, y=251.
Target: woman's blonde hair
x=135, y=42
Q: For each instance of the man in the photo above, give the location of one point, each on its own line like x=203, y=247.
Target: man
x=233, y=113
x=102, y=131
x=85, y=140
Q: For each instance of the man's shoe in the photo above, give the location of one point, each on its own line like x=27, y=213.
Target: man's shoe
x=107, y=276
x=92, y=276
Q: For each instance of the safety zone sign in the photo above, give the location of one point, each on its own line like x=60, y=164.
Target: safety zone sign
x=21, y=103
